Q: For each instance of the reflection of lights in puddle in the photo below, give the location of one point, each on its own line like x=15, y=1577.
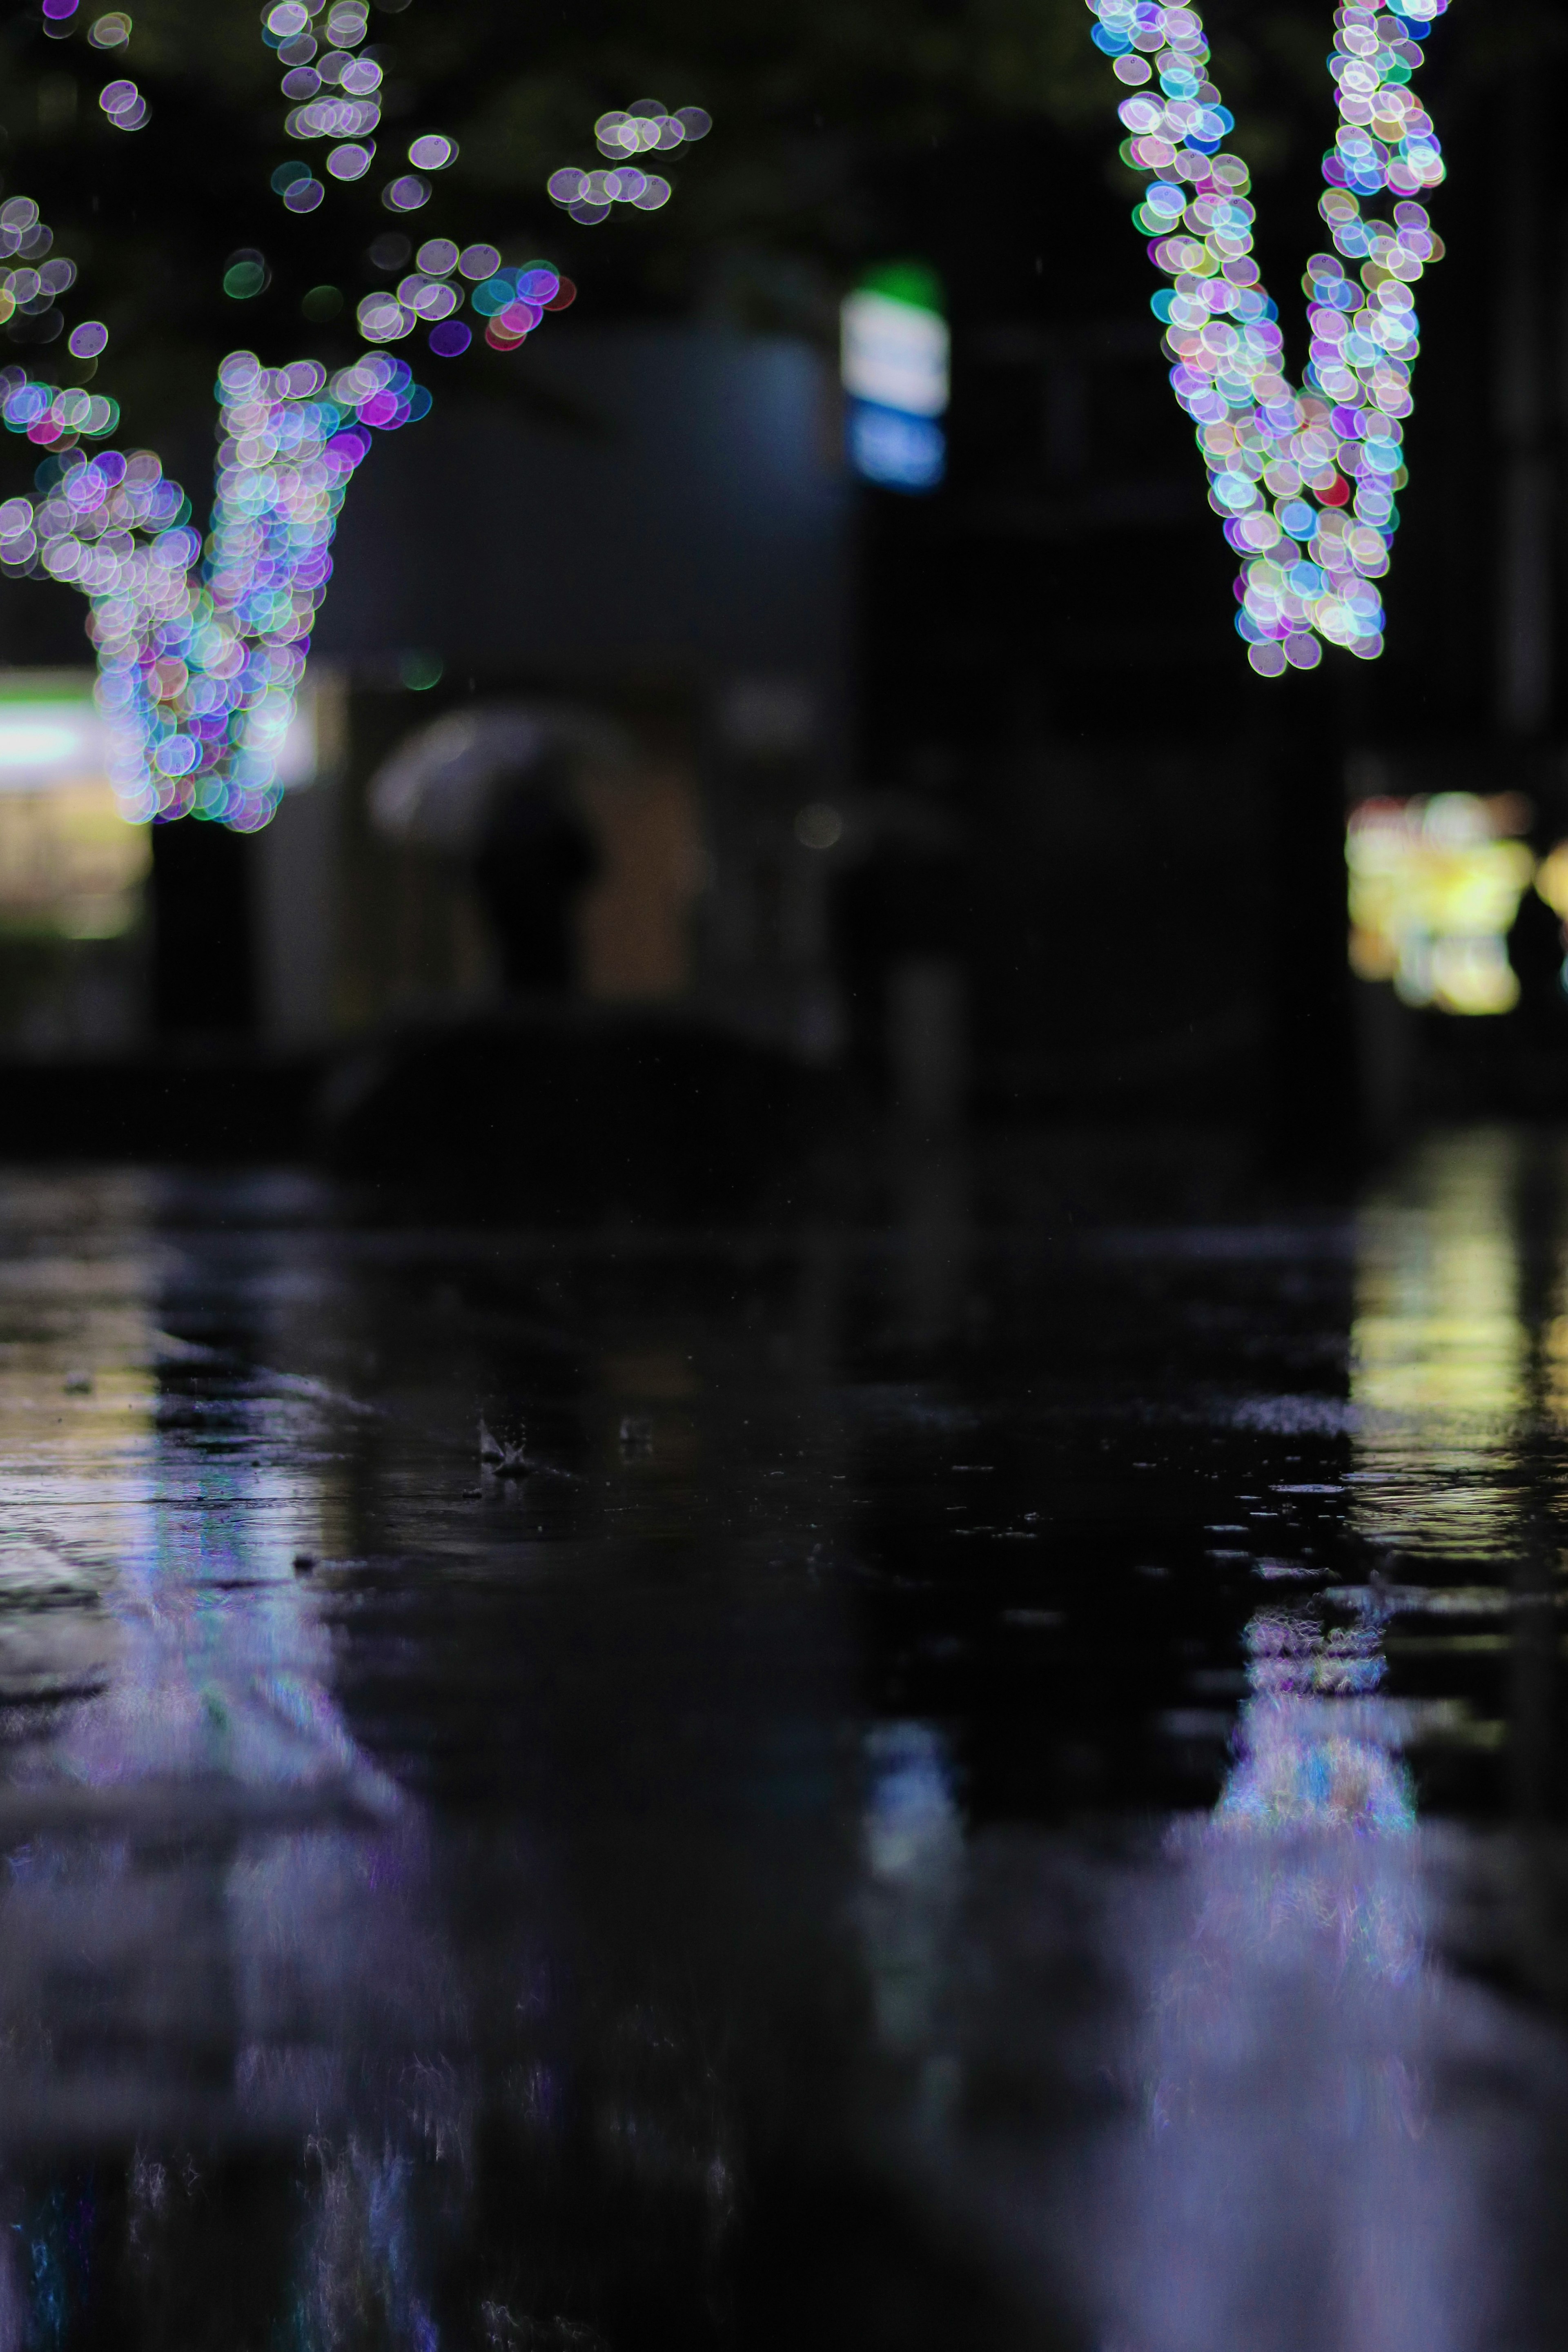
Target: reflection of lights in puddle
x=193, y=1760
x=1440, y=1357
x=911, y=1821
x=1314, y=1763
x=914, y=1848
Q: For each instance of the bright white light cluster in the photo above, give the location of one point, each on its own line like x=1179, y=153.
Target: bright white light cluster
x=648, y=125
x=1304, y=481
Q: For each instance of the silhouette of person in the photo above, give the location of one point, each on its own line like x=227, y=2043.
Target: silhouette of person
x=1536, y=947
x=535, y=856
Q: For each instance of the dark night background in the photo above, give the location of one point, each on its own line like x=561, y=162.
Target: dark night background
x=814, y=1600
x=1080, y=791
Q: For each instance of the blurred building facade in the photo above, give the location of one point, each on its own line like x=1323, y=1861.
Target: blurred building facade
x=657, y=528
x=974, y=787
x=1154, y=838
x=658, y=531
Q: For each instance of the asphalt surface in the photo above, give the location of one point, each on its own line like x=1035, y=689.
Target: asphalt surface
x=978, y=1766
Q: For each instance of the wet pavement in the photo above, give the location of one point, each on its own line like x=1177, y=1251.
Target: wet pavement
x=978, y=1769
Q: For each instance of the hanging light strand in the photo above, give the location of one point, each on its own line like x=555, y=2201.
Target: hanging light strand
x=1305, y=480
x=201, y=646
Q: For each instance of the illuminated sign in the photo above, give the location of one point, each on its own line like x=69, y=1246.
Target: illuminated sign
x=894, y=364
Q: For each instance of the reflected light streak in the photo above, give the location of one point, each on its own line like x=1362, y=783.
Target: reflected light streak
x=209, y=1883
x=1286, y=2189
x=1440, y=1354
x=1313, y=2170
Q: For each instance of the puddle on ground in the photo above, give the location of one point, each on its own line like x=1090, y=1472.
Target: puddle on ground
x=954, y=1775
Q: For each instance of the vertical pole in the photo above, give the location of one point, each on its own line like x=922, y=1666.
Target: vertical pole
x=1520, y=406
x=1311, y=1080
x=203, y=975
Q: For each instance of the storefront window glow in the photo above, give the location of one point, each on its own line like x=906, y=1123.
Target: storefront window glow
x=1435, y=887
x=71, y=868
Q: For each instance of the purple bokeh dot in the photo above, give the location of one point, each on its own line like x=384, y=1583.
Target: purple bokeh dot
x=450, y=338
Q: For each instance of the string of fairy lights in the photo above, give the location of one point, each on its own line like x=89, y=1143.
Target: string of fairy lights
x=200, y=645
x=1306, y=482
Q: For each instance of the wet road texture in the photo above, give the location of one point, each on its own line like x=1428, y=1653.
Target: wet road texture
x=983, y=1770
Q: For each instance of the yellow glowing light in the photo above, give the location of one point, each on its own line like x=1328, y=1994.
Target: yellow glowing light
x=1435, y=887
x=1552, y=879
x=71, y=866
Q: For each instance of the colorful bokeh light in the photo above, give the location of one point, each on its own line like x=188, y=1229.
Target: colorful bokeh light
x=202, y=644
x=1305, y=481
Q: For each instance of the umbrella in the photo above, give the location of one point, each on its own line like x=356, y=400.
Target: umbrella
x=436, y=789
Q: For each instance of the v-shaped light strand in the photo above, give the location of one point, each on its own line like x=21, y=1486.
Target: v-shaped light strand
x=1305, y=480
